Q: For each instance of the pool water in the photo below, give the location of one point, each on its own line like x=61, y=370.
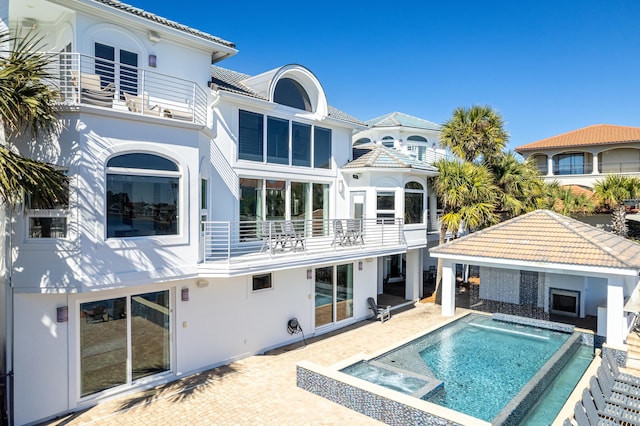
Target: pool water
x=483, y=363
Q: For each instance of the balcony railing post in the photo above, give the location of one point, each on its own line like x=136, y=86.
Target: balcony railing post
x=229, y=242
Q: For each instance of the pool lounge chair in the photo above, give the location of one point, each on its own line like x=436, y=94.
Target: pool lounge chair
x=382, y=313
x=617, y=397
x=609, y=410
x=610, y=362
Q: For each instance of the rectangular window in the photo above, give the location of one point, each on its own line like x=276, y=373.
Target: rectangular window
x=321, y=148
x=385, y=205
x=203, y=194
x=299, y=201
x=277, y=140
x=129, y=72
x=251, y=136
x=301, y=144
x=276, y=195
x=569, y=164
x=142, y=205
x=413, y=207
x=47, y=220
x=105, y=66
x=261, y=282
x=320, y=209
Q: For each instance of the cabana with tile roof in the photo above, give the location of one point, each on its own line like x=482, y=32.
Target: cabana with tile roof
x=568, y=255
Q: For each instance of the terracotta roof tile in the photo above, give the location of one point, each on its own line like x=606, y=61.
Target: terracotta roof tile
x=547, y=237
x=599, y=134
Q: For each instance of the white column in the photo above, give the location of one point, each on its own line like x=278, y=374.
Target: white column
x=448, y=290
x=412, y=275
x=615, y=314
x=549, y=165
x=433, y=207
x=595, y=165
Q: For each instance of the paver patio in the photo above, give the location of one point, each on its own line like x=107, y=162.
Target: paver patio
x=261, y=389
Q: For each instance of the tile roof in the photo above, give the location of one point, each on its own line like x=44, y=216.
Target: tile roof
x=547, y=237
x=399, y=119
x=232, y=81
x=381, y=157
x=598, y=134
x=164, y=21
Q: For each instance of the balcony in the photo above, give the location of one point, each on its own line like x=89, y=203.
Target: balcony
x=233, y=248
x=97, y=82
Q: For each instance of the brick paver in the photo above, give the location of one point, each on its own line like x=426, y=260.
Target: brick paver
x=261, y=389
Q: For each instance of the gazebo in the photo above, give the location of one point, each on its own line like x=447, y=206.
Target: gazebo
x=553, y=262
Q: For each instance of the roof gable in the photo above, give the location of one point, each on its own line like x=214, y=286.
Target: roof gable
x=598, y=134
x=547, y=237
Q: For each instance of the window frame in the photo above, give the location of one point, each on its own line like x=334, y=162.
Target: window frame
x=414, y=191
x=180, y=208
x=61, y=211
x=269, y=280
x=383, y=215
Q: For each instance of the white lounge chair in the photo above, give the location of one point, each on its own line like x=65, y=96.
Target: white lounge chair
x=91, y=90
x=135, y=103
x=382, y=313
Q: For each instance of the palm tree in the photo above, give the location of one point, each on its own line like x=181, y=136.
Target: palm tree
x=566, y=200
x=468, y=198
x=612, y=191
x=475, y=133
x=27, y=109
x=519, y=183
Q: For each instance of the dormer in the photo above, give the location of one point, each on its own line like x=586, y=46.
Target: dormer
x=293, y=86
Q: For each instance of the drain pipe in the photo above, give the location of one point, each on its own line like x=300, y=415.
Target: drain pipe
x=9, y=364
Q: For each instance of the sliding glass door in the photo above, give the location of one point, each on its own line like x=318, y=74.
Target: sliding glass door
x=114, y=331
x=333, y=294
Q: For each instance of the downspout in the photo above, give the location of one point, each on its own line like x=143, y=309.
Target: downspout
x=10, y=340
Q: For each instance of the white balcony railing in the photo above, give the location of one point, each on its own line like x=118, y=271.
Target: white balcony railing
x=234, y=241
x=87, y=80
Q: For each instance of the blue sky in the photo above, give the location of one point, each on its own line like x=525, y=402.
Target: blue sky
x=547, y=66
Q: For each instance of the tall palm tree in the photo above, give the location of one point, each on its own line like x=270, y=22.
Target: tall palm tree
x=475, y=133
x=612, y=191
x=27, y=109
x=468, y=196
x=566, y=200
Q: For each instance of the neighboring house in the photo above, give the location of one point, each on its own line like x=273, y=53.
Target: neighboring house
x=582, y=156
x=546, y=260
x=206, y=209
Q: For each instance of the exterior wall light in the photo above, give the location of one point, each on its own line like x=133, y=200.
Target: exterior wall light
x=62, y=313
x=153, y=61
x=185, y=294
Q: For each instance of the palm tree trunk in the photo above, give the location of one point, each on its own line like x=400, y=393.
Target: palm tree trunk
x=619, y=221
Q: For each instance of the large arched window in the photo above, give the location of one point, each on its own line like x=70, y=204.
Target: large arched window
x=417, y=146
x=289, y=92
x=362, y=141
x=142, y=196
x=387, y=141
x=413, y=203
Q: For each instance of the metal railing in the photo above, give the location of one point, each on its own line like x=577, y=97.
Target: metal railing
x=587, y=168
x=231, y=241
x=88, y=80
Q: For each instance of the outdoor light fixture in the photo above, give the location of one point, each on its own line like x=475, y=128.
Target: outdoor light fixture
x=62, y=313
x=153, y=61
x=360, y=265
x=356, y=176
x=153, y=36
x=309, y=273
x=202, y=283
x=341, y=186
x=185, y=294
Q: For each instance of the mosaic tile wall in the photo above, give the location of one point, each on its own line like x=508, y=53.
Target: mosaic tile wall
x=565, y=328
x=365, y=402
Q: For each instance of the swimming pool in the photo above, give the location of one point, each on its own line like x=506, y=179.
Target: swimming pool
x=479, y=366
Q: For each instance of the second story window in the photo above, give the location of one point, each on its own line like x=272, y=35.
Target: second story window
x=47, y=220
x=413, y=203
x=142, y=196
x=124, y=68
x=287, y=142
x=569, y=164
x=385, y=207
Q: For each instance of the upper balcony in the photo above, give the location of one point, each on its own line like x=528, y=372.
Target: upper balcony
x=86, y=80
x=233, y=248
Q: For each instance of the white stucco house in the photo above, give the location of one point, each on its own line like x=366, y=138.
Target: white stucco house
x=549, y=261
x=206, y=209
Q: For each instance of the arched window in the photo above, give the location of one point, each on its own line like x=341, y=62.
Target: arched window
x=289, y=92
x=362, y=141
x=387, y=141
x=142, y=196
x=413, y=203
x=417, y=147
x=417, y=138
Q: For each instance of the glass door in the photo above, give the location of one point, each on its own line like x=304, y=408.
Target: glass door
x=333, y=294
